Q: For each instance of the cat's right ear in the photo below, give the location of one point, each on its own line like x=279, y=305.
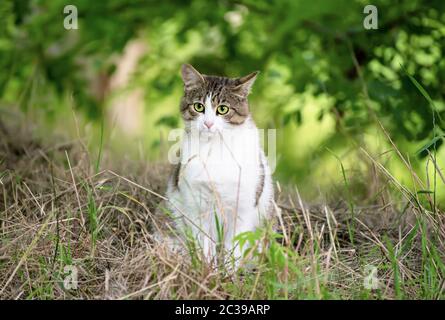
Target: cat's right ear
x=191, y=77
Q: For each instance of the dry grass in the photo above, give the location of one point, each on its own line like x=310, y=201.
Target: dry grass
x=55, y=210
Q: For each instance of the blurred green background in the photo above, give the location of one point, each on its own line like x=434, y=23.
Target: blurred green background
x=120, y=71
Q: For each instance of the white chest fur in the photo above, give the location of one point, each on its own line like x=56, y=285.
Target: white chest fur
x=222, y=169
x=220, y=177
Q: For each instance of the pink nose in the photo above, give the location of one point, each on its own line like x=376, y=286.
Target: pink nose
x=208, y=124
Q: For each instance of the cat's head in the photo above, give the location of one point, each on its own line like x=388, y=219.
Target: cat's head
x=212, y=103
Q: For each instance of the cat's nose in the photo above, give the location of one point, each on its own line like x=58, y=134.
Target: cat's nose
x=208, y=124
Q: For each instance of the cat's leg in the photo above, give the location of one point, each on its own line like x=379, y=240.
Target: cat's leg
x=248, y=220
x=207, y=240
x=208, y=249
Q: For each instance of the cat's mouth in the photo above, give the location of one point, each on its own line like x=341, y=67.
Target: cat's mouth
x=209, y=131
x=208, y=134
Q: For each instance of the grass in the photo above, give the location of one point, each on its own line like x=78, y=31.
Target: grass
x=58, y=209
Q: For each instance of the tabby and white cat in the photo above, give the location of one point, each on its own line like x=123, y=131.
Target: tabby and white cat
x=222, y=185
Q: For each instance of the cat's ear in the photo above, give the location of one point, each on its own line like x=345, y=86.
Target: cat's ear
x=244, y=84
x=191, y=77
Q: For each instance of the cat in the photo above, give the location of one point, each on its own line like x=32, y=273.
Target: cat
x=222, y=185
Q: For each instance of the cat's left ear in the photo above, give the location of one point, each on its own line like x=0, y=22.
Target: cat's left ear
x=244, y=84
x=191, y=77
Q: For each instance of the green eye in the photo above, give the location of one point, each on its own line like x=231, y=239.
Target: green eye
x=222, y=109
x=199, y=107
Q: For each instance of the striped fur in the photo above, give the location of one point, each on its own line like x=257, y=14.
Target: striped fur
x=227, y=91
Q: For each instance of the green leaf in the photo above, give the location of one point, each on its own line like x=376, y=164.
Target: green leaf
x=430, y=143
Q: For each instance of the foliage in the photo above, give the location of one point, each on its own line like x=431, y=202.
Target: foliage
x=309, y=49
x=317, y=61
x=367, y=105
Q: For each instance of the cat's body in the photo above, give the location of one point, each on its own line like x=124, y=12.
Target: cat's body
x=222, y=185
